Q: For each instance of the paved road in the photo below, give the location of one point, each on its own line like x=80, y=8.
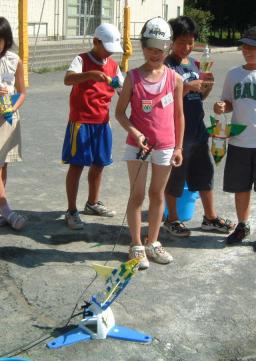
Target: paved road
x=199, y=308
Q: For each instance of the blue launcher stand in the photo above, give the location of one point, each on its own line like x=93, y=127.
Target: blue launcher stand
x=128, y=334
x=69, y=338
x=117, y=332
x=100, y=324
x=13, y=359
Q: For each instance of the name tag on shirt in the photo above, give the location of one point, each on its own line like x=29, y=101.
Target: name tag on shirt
x=167, y=99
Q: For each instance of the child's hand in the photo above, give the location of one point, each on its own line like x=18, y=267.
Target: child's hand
x=219, y=107
x=208, y=81
x=3, y=90
x=142, y=142
x=207, y=86
x=177, y=157
x=144, y=148
x=97, y=75
x=194, y=86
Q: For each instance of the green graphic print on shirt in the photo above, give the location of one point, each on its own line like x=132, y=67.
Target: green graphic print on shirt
x=246, y=90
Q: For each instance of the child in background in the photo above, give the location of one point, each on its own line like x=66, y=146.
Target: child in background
x=239, y=97
x=197, y=167
x=157, y=122
x=88, y=139
x=11, y=80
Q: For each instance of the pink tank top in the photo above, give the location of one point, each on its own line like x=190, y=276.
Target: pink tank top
x=153, y=114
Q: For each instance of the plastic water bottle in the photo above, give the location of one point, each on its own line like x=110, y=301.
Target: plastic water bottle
x=219, y=137
x=221, y=125
x=206, y=60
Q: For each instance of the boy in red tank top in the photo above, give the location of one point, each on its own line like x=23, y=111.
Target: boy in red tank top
x=88, y=139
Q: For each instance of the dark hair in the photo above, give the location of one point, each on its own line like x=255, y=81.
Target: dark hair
x=183, y=25
x=6, y=34
x=142, y=39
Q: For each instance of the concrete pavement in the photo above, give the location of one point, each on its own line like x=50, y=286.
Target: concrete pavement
x=199, y=308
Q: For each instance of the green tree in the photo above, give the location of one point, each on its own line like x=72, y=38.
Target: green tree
x=203, y=19
x=229, y=16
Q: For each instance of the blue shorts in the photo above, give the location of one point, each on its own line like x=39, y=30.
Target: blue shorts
x=87, y=144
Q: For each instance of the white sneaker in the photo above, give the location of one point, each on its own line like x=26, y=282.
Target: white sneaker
x=139, y=252
x=157, y=253
x=98, y=209
x=73, y=221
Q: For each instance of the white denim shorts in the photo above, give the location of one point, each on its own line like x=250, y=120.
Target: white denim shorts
x=156, y=156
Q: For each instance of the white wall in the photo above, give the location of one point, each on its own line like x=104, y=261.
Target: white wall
x=173, y=8
x=9, y=9
x=49, y=16
x=141, y=10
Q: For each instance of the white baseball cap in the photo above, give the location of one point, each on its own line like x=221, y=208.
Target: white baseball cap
x=156, y=33
x=110, y=37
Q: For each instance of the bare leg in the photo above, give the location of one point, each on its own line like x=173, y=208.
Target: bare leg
x=72, y=184
x=3, y=178
x=242, y=200
x=171, y=205
x=94, y=181
x=15, y=220
x=160, y=176
x=208, y=204
x=138, y=175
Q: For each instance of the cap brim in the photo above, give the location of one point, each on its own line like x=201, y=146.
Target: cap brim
x=113, y=47
x=248, y=41
x=163, y=45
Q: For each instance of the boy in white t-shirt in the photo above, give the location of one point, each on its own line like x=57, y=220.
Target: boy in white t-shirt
x=239, y=97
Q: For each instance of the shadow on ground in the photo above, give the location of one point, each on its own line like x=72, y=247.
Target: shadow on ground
x=48, y=228
x=31, y=258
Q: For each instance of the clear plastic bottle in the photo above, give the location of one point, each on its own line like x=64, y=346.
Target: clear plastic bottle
x=221, y=125
x=206, y=60
x=219, y=137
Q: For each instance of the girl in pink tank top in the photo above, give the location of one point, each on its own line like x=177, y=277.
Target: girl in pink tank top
x=156, y=124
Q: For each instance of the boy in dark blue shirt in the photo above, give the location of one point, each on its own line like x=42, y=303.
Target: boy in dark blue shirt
x=197, y=168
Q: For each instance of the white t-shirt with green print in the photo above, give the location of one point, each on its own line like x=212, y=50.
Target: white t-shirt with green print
x=240, y=89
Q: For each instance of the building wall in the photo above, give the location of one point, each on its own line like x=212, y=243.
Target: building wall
x=142, y=10
x=53, y=21
x=9, y=9
x=52, y=17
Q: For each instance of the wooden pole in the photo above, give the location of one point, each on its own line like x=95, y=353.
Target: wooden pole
x=127, y=45
x=23, y=36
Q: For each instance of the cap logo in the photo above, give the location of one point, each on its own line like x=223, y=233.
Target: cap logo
x=157, y=32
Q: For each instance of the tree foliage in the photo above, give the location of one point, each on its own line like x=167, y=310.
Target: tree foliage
x=229, y=16
x=203, y=19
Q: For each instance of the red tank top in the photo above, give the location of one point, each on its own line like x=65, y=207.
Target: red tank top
x=90, y=100
x=153, y=114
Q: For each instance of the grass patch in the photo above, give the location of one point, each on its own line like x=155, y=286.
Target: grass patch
x=49, y=69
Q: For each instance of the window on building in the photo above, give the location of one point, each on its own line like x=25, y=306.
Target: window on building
x=166, y=12
x=178, y=10
x=83, y=16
